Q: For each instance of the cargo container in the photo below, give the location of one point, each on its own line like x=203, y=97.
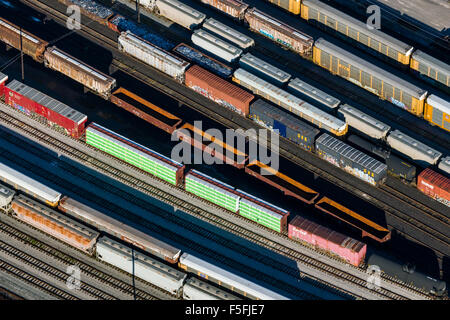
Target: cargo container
x=434, y=185
x=297, y=86
x=180, y=13
x=263, y=69
x=218, y=90
x=92, y=10
x=431, y=69
x=437, y=111
x=290, y=102
x=262, y=212
x=351, y=160
x=3, y=79
x=31, y=45
x=292, y=6
x=121, y=229
x=279, y=32
x=412, y=148
x=54, y=223
x=212, y=190
x=346, y=248
x=134, y=154
x=234, y=8
x=56, y=114
x=215, y=45
x=142, y=266
x=281, y=181
x=145, y=110
x=444, y=165
x=203, y=60
x=369, y=76
x=368, y=227
x=287, y=125
x=363, y=122
x=158, y=58
x=228, y=33
x=79, y=71
x=6, y=196
x=195, y=289
x=228, y=279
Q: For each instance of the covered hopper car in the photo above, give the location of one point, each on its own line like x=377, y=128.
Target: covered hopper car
x=180, y=13
x=215, y=45
x=228, y=33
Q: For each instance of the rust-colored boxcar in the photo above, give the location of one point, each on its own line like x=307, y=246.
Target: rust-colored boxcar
x=218, y=90
x=234, y=8
x=434, y=185
x=31, y=45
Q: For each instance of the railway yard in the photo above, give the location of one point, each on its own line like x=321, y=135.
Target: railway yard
x=352, y=201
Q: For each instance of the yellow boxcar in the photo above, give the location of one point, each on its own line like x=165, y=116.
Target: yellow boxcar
x=437, y=111
x=292, y=6
x=432, y=69
x=370, y=77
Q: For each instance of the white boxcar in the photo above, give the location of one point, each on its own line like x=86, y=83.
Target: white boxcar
x=228, y=33
x=195, y=289
x=412, y=148
x=296, y=85
x=444, y=165
x=146, y=268
x=152, y=55
x=227, y=279
x=180, y=13
x=363, y=122
x=28, y=185
x=264, y=69
x=6, y=196
x=290, y=102
x=216, y=46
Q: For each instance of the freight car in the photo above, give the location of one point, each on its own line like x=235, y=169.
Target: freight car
x=234, y=8
x=437, y=112
x=292, y=6
x=263, y=69
x=6, y=196
x=195, y=289
x=180, y=13
x=243, y=41
x=297, y=86
x=444, y=165
x=431, y=69
x=91, y=9
x=435, y=186
x=3, y=79
x=215, y=45
x=38, y=105
x=79, y=71
x=54, y=223
x=290, y=102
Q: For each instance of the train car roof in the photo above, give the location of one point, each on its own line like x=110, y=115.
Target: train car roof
x=444, y=164
x=373, y=122
x=314, y=93
x=370, y=68
x=237, y=37
x=414, y=144
x=360, y=26
x=209, y=290
x=269, y=208
x=431, y=61
x=25, y=33
x=439, y=103
x=265, y=67
x=216, y=42
x=180, y=6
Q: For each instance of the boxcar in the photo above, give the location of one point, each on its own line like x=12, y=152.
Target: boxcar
x=180, y=13
x=195, y=289
x=144, y=267
x=370, y=77
x=297, y=86
x=54, y=223
x=279, y=32
x=444, y=165
x=120, y=229
x=234, y=8
x=363, y=122
x=434, y=185
x=134, y=154
x=6, y=196
x=218, y=90
x=91, y=9
x=31, y=45
x=56, y=114
x=203, y=60
x=228, y=33
x=227, y=279
x=351, y=160
x=287, y=125
x=156, y=57
x=215, y=45
x=346, y=248
x=290, y=102
x=263, y=69
x=212, y=190
x=352, y=29
x=79, y=71
x=431, y=69
x=437, y=111
x=3, y=79
x=292, y=6
x=413, y=148
x=262, y=212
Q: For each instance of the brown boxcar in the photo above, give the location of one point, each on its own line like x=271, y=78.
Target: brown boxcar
x=348, y=249
x=234, y=8
x=434, y=185
x=218, y=90
x=54, y=223
x=91, y=78
x=31, y=45
x=279, y=32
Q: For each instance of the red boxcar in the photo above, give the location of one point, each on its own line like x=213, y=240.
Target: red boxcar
x=349, y=249
x=57, y=114
x=218, y=90
x=3, y=79
x=434, y=185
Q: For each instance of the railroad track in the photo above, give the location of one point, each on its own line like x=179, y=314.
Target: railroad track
x=197, y=211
